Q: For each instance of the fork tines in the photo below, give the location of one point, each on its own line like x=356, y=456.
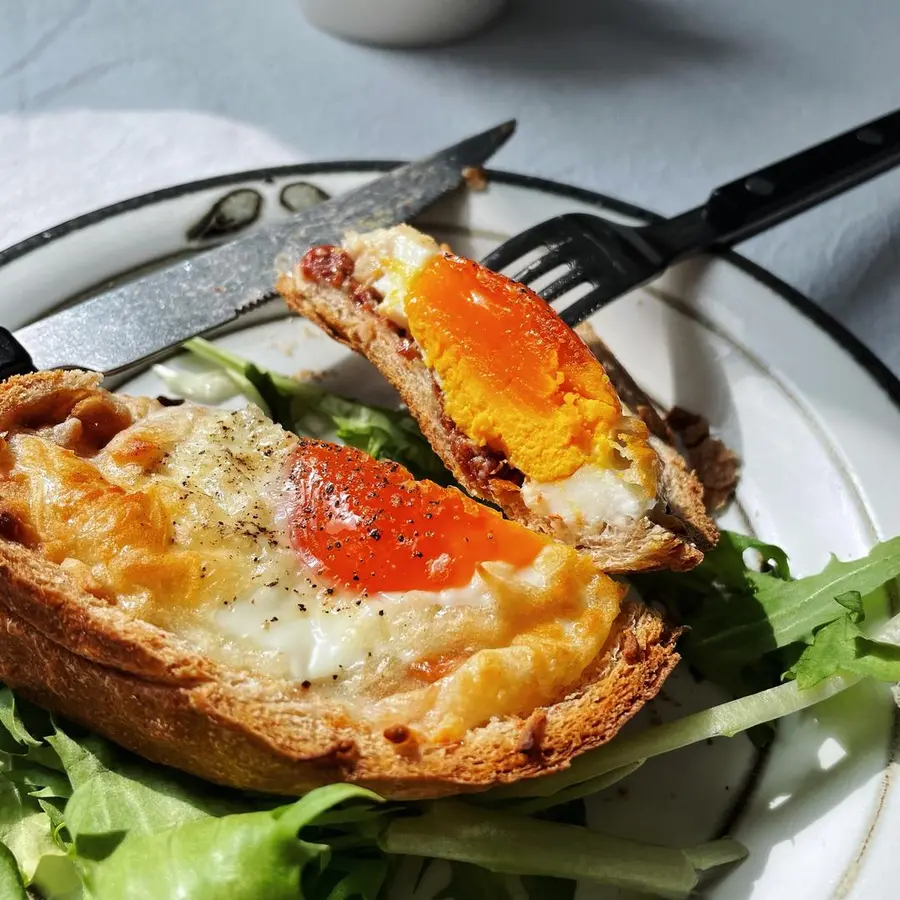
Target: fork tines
x=603, y=257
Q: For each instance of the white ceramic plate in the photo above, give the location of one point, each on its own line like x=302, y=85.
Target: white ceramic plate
x=815, y=418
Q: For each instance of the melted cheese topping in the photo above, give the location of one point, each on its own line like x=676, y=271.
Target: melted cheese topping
x=515, y=378
x=180, y=520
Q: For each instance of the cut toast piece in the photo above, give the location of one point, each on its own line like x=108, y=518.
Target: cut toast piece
x=462, y=346
x=99, y=601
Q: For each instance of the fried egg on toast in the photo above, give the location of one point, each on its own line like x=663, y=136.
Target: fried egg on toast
x=275, y=613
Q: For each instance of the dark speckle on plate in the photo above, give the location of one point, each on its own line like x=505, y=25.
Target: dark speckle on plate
x=300, y=195
x=230, y=214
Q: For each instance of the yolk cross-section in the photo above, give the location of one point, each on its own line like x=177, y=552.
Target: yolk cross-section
x=514, y=376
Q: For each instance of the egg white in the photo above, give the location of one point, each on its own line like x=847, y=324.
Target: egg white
x=589, y=500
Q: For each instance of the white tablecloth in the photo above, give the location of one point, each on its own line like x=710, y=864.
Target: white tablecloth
x=654, y=101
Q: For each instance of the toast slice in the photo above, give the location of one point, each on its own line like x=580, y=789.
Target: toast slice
x=81, y=552
x=458, y=343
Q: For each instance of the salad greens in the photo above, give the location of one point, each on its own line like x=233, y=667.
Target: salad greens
x=132, y=829
x=81, y=819
x=521, y=845
x=744, y=623
x=842, y=646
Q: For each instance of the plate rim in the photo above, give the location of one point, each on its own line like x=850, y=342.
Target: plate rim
x=882, y=376
x=819, y=317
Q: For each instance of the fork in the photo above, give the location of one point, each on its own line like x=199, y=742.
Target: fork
x=605, y=259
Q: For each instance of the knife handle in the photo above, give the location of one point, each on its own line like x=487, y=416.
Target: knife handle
x=14, y=358
x=757, y=201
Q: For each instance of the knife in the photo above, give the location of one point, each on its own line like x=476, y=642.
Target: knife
x=142, y=319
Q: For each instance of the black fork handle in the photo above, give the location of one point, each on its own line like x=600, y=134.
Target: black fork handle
x=14, y=358
x=749, y=205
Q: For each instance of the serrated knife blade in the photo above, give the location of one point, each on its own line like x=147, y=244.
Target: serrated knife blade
x=143, y=318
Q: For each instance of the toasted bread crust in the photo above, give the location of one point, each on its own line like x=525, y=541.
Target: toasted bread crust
x=675, y=539
x=142, y=687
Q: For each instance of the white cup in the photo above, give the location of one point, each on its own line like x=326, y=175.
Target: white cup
x=401, y=23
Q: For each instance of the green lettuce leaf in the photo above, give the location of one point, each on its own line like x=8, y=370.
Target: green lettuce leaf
x=25, y=829
x=359, y=875
x=724, y=720
x=116, y=796
x=842, y=646
x=518, y=845
x=29, y=780
x=245, y=856
x=306, y=409
x=470, y=882
x=540, y=887
x=11, y=885
x=121, y=810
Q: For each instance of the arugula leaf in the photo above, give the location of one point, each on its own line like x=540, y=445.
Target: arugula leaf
x=842, y=646
x=737, y=616
x=778, y=613
x=306, y=409
x=237, y=857
x=724, y=572
x=852, y=601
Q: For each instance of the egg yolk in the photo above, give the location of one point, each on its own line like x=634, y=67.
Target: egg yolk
x=513, y=375
x=370, y=526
